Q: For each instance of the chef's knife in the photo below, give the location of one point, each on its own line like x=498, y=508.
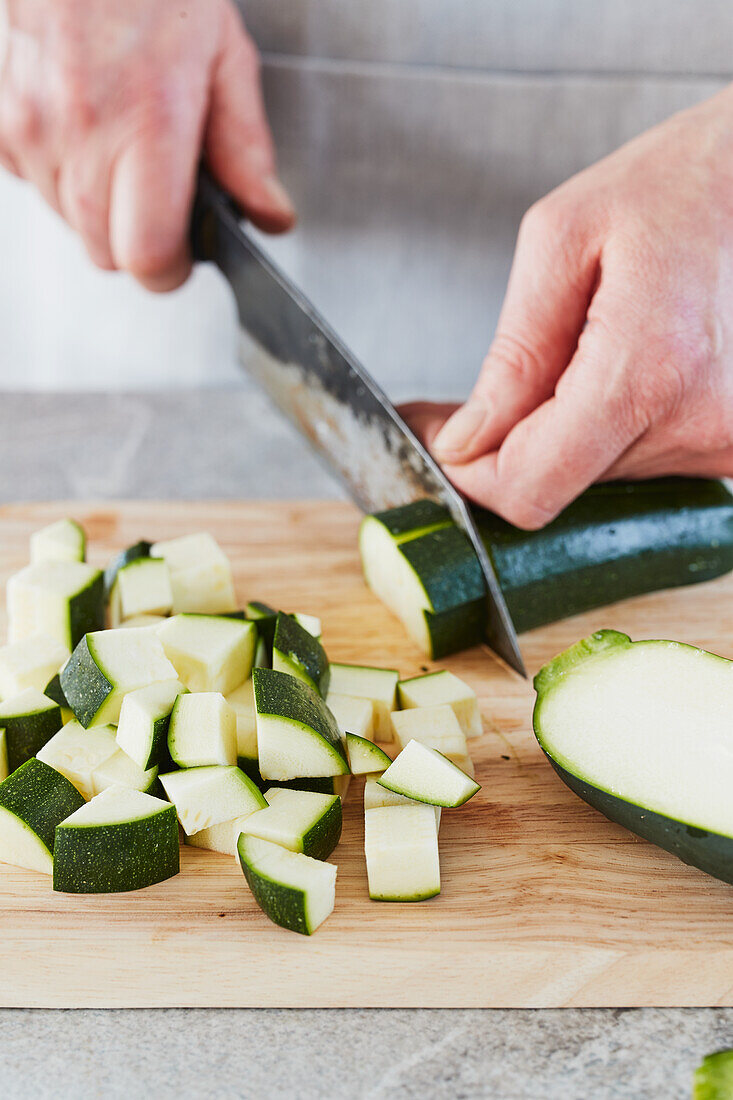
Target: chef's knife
x=319, y=385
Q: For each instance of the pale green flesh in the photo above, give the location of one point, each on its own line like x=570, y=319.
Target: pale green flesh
x=437, y=727
x=393, y=580
x=401, y=847
x=425, y=775
x=443, y=687
x=219, y=838
x=242, y=701
x=202, y=730
x=39, y=599
x=379, y=685
x=140, y=712
x=207, y=796
x=61, y=541
x=291, y=750
x=92, y=760
x=314, y=879
x=288, y=817
x=30, y=663
x=353, y=715
x=376, y=795
x=127, y=659
x=365, y=756
x=649, y=723
x=201, y=577
x=114, y=806
x=21, y=846
x=209, y=653
x=143, y=587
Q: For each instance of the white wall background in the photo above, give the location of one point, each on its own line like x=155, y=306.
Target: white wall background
x=413, y=134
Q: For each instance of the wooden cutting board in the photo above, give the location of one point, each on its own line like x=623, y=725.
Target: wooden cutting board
x=543, y=903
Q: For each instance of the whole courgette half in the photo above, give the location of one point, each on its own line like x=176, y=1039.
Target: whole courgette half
x=617, y=540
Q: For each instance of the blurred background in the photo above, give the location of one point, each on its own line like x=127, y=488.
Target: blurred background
x=412, y=134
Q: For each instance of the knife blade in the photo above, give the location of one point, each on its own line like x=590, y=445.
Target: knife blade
x=329, y=397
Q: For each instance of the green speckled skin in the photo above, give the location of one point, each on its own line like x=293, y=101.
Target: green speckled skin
x=714, y=1077
x=41, y=797
x=26, y=734
x=325, y=784
x=282, y=904
x=283, y=696
x=296, y=651
x=110, y=859
x=87, y=610
x=323, y=837
x=414, y=519
x=131, y=553
x=617, y=540
x=54, y=691
x=84, y=685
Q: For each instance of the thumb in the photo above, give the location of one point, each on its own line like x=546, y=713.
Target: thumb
x=238, y=143
x=550, y=285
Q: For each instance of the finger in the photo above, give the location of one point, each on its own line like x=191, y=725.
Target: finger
x=552, y=279
x=426, y=418
x=151, y=192
x=567, y=443
x=84, y=194
x=238, y=143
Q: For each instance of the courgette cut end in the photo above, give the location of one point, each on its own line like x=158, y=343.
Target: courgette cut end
x=210, y=795
x=302, y=821
x=33, y=801
x=294, y=891
x=297, y=736
x=425, y=775
x=64, y=540
x=640, y=731
x=364, y=756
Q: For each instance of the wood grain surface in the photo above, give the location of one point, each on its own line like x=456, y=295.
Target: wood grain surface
x=543, y=903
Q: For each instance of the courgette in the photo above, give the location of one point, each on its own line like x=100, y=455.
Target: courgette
x=143, y=726
x=376, y=795
x=293, y=890
x=33, y=801
x=617, y=540
x=201, y=576
x=297, y=736
x=401, y=847
x=365, y=757
x=64, y=599
x=202, y=730
x=297, y=652
x=209, y=652
x=301, y=821
x=641, y=731
x=142, y=587
x=29, y=720
x=106, y=665
x=61, y=541
x=443, y=687
x=92, y=760
x=353, y=715
x=378, y=685
x=208, y=796
x=425, y=775
x=121, y=840
x=30, y=663
x=436, y=727
x=242, y=702
x=125, y=557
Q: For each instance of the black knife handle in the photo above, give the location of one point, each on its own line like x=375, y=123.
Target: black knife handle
x=209, y=203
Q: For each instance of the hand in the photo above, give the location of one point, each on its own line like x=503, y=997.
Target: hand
x=107, y=105
x=613, y=356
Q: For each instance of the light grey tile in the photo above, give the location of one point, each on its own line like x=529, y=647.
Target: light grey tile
x=539, y=35
x=411, y=186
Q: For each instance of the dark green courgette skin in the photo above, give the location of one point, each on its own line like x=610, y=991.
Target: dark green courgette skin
x=617, y=540
x=115, y=858
x=710, y=852
x=40, y=796
x=321, y=840
x=279, y=694
x=26, y=734
x=129, y=554
x=299, y=648
x=86, y=610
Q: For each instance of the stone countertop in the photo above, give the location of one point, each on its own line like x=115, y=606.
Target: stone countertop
x=200, y=444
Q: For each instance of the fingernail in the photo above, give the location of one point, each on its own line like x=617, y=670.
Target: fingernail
x=278, y=196
x=456, y=434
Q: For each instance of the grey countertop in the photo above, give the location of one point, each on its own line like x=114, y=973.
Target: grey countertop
x=226, y=444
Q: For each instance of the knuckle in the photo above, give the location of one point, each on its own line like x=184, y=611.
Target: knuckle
x=513, y=355
x=21, y=123
x=548, y=218
x=528, y=513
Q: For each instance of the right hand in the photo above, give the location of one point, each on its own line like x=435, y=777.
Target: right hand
x=108, y=106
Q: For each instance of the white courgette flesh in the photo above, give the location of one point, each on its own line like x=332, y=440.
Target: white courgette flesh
x=375, y=795
x=30, y=663
x=301, y=821
x=436, y=727
x=121, y=840
x=401, y=847
x=393, y=580
x=92, y=760
x=219, y=838
x=108, y=664
x=209, y=652
x=353, y=715
x=379, y=685
x=293, y=890
x=309, y=623
x=63, y=599
x=364, y=756
x=641, y=729
x=201, y=576
x=33, y=801
x=425, y=775
x=202, y=730
x=143, y=587
x=144, y=717
x=443, y=687
x=242, y=702
x=61, y=541
x=297, y=736
x=210, y=795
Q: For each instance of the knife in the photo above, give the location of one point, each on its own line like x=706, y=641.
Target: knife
x=319, y=385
